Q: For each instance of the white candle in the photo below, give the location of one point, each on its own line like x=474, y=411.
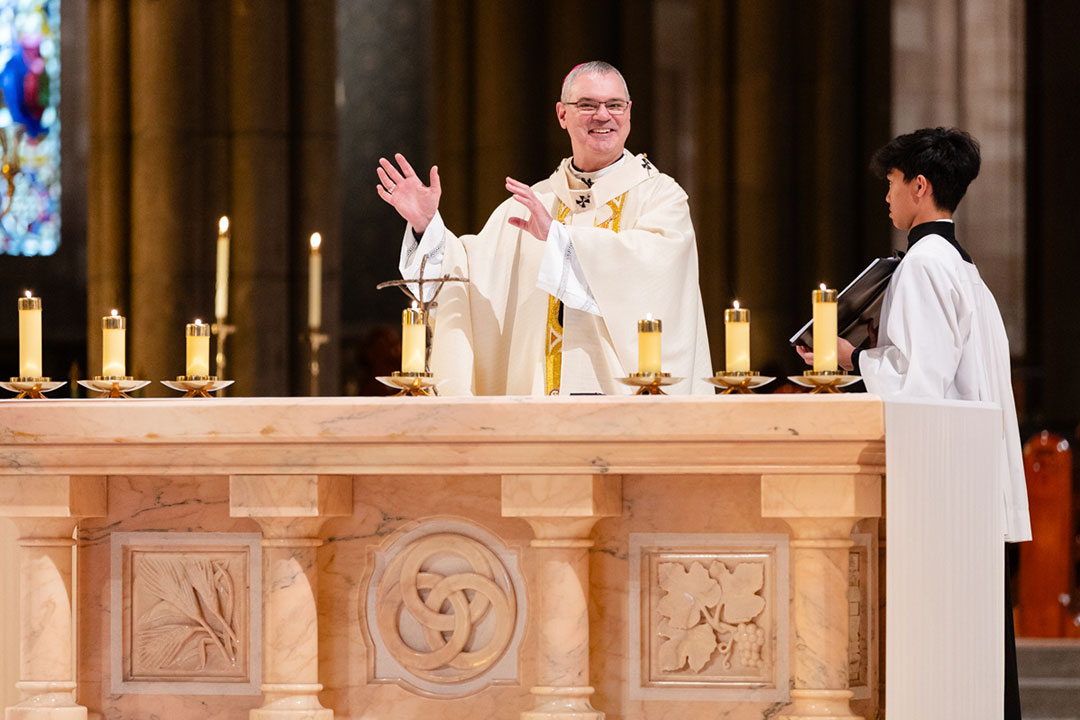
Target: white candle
x=649, y=345
x=824, y=329
x=113, y=345
x=198, y=350
x=737, y=339
x=30, y=336
x=221, y=290
x=413, y=341
x=315, y=283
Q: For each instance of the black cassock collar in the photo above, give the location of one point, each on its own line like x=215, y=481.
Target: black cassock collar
x=943, y=228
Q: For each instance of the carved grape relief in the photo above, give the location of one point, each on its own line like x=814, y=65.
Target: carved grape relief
x=707, y=615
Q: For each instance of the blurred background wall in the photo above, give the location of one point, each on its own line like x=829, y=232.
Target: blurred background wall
x=766, y=111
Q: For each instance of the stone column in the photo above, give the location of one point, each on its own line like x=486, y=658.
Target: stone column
x=290, y=509
x=108, y=172
x=821, y=510
x=562, y=510
x=260, y=177
x=46, y=510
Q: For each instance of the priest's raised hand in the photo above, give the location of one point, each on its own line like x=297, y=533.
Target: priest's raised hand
x=406, y=192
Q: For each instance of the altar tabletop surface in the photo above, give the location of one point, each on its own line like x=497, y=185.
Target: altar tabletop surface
x=483, y=435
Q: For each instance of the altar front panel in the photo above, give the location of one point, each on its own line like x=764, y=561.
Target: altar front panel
x=426, y=482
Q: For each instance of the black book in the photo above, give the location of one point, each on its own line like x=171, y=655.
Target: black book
x=858, y=306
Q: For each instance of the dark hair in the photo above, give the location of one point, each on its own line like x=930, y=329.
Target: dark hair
x=947, y=157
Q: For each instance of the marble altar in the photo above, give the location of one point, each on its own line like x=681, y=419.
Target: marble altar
x=635, y=557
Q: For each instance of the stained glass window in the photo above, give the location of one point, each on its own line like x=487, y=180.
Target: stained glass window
x=29, y=127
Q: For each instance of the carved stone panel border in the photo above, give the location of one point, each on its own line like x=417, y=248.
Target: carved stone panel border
x=445, y=609
x=862, y=615
x=709, y=617
x=185, y=613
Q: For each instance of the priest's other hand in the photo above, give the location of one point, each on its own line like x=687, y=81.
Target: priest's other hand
x=843, y=353
x=539, y=221
x=805, y=353
x=406, y=192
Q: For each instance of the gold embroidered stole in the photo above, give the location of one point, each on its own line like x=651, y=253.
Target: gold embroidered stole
x=553, y=344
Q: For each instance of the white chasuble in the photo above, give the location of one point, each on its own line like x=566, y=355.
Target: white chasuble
x=942, y=336
x=632, y=239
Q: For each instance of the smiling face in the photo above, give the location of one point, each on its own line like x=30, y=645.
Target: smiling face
x=598, y=139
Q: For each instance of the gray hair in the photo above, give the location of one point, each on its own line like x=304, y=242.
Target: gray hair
x=594, y=67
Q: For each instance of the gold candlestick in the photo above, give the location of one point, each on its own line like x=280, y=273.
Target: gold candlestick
x=197, y=387
x=315, y=340
x=739, y=381
x=222, y=329
x=31, y=388
x=410, y=383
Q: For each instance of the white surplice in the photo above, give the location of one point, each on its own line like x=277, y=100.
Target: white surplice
x=490, y=334
x=941, y=336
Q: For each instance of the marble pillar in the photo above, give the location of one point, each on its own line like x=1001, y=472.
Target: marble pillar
x=9, y=612
x=46, y=509
x=290, y=510
x=821, y=511
x=562, y=510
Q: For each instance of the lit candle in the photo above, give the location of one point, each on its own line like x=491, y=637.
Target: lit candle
x=824, y=329
x=198, y=350
x=29, y=336
x=413, y=340
x=737, y=338
x=221, y=290
x=113, y=351
x=648, y=338
x=315, y=284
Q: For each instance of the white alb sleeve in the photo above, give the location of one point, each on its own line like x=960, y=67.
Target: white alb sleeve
x=431, y=244
x=561, y=274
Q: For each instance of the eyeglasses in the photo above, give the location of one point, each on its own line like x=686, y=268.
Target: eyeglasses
x=591, y=107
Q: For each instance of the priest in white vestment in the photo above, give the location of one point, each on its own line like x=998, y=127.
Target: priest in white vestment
x=562, y=270
x=940, y=333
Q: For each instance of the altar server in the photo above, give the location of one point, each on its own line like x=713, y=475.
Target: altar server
x=941, y=334
x=562, y=270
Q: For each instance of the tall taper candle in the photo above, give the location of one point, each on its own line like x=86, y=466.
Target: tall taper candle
x=221, y=290
x=315, y=284
x=29, y=336
x=824, y=329
x=113, y=345
x=649, y=345
x=198, y=350
x=413, y=340
x=737, y=339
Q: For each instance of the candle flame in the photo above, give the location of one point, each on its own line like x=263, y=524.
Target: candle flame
x=115, y=313
x=198, y=321
x=28, y=294
x=823, y=286
x=415, y=305
x=648, y=316
x=223, y=224
x=735, y=304
x=316, y=241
